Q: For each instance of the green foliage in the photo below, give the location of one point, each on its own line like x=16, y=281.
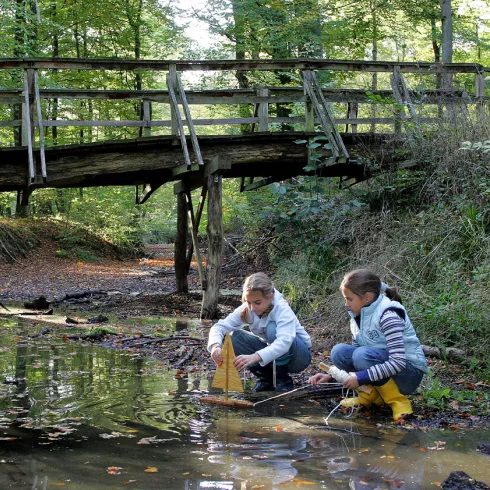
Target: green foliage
x=435, y=395
x=62, y=254
x=484, y=146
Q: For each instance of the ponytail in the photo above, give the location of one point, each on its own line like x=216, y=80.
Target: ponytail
x=362, y=281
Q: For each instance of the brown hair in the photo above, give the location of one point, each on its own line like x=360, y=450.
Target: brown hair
x=362, y=281
x=256, y=282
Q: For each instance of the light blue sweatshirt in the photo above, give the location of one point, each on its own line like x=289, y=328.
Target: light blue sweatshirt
x=287, y=327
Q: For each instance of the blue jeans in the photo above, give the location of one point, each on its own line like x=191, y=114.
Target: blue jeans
x=297, y=358
x=352, y=359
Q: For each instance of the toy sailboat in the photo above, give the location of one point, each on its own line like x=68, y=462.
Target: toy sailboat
x=228, y=378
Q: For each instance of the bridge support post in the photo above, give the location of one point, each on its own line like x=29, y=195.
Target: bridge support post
x=215, y=245
x=22, y=207
x=180, y=247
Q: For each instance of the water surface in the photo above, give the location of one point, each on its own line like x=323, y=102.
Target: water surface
x=85, y=416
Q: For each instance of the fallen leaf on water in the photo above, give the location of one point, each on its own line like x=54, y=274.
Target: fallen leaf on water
x=278, y=428
x=257, y=486
x=128, y=482
x=58, y=484
x=297, y=481
x=151, y=469
x=436, y=483
x=114, y=470
x=206, y=474
x=363, y=450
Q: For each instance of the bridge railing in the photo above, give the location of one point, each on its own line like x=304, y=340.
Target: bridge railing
x=76, y=114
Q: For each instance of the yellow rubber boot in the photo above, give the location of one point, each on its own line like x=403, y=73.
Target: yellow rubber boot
x=400, y=404
x=367, y=396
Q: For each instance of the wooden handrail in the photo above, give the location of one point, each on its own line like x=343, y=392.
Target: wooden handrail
x=234, y=65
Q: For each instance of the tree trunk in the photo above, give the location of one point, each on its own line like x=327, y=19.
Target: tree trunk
x=447, y=38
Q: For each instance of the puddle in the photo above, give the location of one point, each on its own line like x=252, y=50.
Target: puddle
x=82, y=416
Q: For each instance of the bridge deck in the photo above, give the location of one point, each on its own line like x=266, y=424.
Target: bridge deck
x=160, y=160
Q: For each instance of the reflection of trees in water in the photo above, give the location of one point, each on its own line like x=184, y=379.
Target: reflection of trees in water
x=362, y=465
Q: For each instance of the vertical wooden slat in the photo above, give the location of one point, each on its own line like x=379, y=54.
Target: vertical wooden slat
x=178, y=120
x=352, y=112
x=309, y=117
x=174, y=113
x=147, y=118
x=263, y=111
x=40, y=125
x=27, y=123
x=190, y=124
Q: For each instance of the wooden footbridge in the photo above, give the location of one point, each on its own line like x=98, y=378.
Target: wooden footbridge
x=60, y=130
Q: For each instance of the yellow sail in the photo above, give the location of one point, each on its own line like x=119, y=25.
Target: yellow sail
x=227, y=375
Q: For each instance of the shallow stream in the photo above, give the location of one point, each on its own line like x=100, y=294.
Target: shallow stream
x=75, y=415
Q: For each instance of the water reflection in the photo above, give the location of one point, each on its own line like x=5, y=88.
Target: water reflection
x=75, y=415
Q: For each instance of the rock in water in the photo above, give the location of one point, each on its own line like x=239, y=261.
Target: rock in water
x=459, y=480
x=484, y=447
x=40, y=303
x=98, y=319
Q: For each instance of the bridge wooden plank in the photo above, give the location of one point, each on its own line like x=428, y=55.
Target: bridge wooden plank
x=242, y=96
x=233, y=65
x=190, y=124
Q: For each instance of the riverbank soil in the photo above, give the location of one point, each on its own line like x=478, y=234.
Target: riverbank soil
x=121, y=287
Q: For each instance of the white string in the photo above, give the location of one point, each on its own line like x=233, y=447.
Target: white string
x=339, y=374
x=292, y=391
x=339, y=405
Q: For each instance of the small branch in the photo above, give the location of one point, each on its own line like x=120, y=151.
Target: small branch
x=165, y=339
x=450, y=353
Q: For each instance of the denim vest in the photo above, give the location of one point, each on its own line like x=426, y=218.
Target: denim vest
x=369, y=334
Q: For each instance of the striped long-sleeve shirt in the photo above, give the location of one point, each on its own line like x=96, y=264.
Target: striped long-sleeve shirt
x=392, y=326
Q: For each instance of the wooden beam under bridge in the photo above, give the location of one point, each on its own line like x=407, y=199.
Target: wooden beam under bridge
x=211, y=275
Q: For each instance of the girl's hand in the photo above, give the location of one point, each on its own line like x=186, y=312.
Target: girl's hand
x=245, y=360
x=216, y=355
x=351, y=383
x=319, y=378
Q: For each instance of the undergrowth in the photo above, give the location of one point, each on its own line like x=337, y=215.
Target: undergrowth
x=425, y=230
x=16, y=240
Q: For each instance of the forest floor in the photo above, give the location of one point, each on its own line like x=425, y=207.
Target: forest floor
x=128, y=287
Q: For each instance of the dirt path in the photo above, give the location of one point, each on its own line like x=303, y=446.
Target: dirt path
x=44, y=274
